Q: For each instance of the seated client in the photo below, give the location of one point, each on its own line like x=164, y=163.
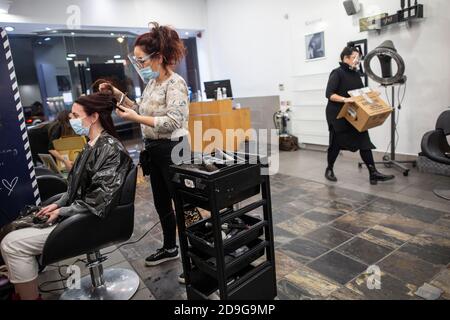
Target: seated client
x=94, y=181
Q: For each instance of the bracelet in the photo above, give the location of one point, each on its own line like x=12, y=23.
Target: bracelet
x=122, y=99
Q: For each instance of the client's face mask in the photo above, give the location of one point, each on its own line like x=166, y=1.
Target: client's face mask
x=77, y=126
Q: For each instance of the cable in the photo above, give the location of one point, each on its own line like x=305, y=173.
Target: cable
x=399, y=107
x=142, y=237
x=63, y=278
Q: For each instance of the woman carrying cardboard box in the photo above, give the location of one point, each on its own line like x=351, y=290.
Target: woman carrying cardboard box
x=343, y=136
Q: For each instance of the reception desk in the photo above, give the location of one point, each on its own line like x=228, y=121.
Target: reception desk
x=215, y=124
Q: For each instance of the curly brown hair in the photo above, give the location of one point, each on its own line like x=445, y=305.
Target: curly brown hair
x=164, y=41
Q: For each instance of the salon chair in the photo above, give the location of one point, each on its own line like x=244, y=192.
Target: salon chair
x=49, y=183
x=38, y=137
x=436, y=148
x=88, y=234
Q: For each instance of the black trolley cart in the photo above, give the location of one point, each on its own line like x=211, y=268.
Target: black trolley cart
x=208, y=267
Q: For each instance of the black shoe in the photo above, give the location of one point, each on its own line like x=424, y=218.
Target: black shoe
x=161, y=255
x=376, y=176
x=181, y=279
x=329, y=174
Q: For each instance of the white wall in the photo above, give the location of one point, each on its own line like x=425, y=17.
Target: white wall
x=181, y=14
x=252, y=43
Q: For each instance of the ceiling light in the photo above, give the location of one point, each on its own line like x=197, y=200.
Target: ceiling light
x=9, y=29
x=47, y=39
x=71, y=55
x=117, y=57
x=72, y=33
x=187, y=33
x=120, y=39
x=40, y=42
x=69, y=59
x=112, y=33
x=48, y=29
x=54, y=31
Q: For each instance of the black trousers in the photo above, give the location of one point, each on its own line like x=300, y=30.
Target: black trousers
x=160, y=180
x=333, y=153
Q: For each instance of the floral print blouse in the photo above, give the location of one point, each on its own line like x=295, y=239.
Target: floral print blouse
x=168, y=103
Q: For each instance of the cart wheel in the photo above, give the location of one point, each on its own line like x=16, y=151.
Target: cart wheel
x=386, y=158
x=406, y=173
x=360, y=165
x=388, y=165
x=414, y=164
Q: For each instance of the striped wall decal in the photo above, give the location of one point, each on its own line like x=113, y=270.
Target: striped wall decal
x=20, y=115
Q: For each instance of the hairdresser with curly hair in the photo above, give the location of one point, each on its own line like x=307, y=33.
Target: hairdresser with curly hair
x=163, y=115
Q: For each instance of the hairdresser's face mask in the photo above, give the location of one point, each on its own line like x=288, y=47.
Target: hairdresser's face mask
x=146, y=73
x=77, y=126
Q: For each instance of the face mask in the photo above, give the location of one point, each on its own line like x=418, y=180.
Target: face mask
x=148, y=74
x=356, y=63
x=77, y=126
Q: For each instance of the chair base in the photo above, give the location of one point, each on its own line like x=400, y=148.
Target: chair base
x=120, y=284
x=444, y=194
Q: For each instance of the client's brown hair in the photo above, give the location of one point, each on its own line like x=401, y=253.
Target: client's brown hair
x=104, y=105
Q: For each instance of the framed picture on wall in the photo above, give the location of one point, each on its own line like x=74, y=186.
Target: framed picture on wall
x=315, y=46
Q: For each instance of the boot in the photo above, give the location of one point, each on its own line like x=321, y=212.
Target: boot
x=329, y=174
x=376, y=176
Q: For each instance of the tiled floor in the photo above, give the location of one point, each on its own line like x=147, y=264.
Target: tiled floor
x=326, y=235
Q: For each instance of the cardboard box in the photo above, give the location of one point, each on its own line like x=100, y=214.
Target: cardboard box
x=367, y=112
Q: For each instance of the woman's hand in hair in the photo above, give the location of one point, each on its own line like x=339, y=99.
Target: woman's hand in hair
x=127, y=113
x=108, y=87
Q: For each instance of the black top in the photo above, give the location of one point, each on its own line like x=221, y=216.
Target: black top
x=342, y=80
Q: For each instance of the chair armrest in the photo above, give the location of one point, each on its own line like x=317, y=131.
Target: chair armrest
x=52, y=200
